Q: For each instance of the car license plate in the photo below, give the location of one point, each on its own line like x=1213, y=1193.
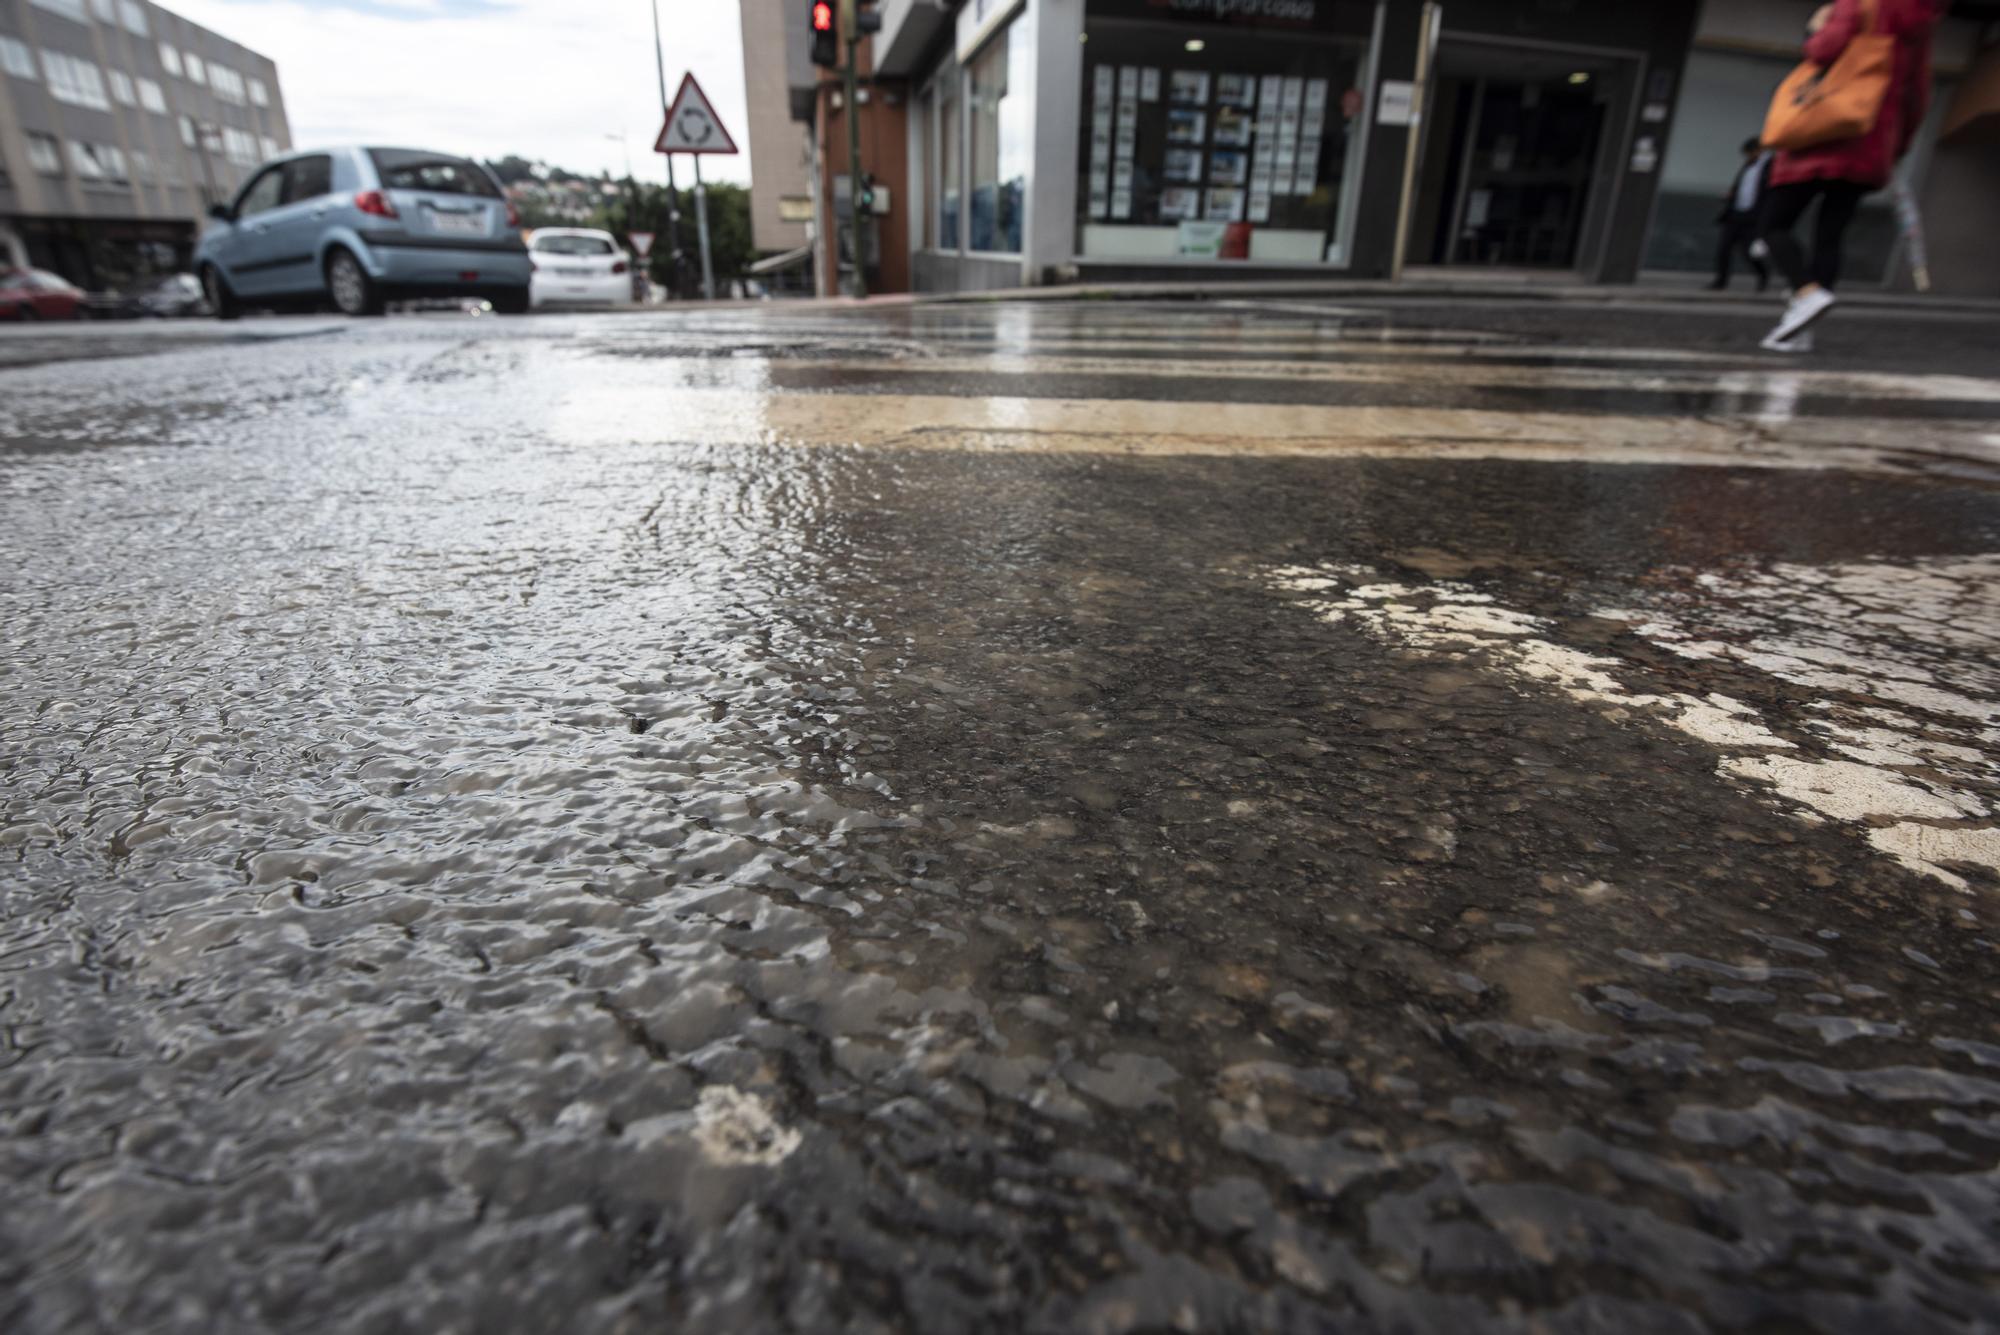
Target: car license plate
x=460, y=224
x=574, y=273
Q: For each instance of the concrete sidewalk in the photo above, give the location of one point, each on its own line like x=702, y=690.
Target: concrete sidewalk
x=1459, y=288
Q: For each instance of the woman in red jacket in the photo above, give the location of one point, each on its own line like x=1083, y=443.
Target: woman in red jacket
x=1839, y=174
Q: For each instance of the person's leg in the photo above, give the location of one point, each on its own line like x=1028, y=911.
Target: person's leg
x=1840, y=200
x=1809, y=300
x=1725, y=250
x=1785, y=204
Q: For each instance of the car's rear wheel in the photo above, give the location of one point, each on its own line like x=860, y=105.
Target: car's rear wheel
x=352, y=290
x=512, y=302
x=221, y=300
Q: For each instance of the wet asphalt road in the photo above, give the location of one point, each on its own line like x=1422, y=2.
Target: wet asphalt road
x=1369, y=816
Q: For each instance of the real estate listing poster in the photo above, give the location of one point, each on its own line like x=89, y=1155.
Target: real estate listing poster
x=1189, y=87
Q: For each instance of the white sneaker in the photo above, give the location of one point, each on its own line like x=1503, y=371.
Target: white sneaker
x=1799, y=343
x=1802, y=312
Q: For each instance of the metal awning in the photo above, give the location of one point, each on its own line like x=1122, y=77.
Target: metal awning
x=773, y=263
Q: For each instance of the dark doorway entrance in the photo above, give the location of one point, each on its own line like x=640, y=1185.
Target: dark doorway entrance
x=1515, y=165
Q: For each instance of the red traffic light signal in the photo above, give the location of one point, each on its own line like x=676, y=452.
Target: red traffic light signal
x=825, y=42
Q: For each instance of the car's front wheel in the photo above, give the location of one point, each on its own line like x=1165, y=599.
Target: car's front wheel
x=352, y=290
x=221, y=300
x=512, y=302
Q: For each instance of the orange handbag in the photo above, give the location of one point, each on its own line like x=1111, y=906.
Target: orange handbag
x=1820, y=104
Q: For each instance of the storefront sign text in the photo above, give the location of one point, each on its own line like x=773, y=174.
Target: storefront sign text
x=1300, y=12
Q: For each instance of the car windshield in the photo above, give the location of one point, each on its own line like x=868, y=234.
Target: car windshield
x=573, y=245
x=407, y=169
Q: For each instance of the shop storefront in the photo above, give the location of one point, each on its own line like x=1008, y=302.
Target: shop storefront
x=1051, y=134
x=1052, y=140
x=1217, y=131
x=973, y=153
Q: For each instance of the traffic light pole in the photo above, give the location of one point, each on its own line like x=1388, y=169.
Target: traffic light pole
x=853, y=107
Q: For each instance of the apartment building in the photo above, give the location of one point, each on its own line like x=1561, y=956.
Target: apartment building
x=120, y=123
x=775, y=63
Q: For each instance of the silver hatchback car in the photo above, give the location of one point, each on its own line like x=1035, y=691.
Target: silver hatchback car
x=361, y=227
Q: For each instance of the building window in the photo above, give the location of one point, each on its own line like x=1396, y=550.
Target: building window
x=197, y=73
x=171, y=59
x=999, y=137
x=69, y=9
x=226, y=82
x=16, y=59
x=151, y=98
x=44, y=154
x=187, y=131
x=948, y=236
x=107, y=10
x=121, y=87
x=77, y=82
x=239, y=146
x=259, y=95
x=133, y=17
x=1230, y=133
x=83, y=158
x=269, y=145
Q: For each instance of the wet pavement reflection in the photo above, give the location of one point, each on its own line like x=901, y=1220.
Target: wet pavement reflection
x=832, y=821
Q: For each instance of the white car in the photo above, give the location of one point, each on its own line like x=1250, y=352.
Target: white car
x=578, y=266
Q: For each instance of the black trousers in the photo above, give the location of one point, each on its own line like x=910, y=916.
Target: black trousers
x=1738, y=231
x=1784, y=205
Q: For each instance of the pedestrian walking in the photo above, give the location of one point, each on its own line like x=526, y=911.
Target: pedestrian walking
x=1840, y=124
x=1741, y=207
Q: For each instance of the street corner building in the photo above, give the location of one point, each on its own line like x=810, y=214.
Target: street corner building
x=120, y=123
x=1013, y=143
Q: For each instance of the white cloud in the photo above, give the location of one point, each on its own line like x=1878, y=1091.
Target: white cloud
x=547, y=79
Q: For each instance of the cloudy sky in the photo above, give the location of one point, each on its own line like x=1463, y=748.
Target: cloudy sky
x=559, y=80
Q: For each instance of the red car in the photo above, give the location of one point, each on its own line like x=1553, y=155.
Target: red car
x=37, y=294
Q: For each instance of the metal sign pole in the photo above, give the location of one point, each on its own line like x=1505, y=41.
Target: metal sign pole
x=693, y=128
x=673, y=232
x=701, y=222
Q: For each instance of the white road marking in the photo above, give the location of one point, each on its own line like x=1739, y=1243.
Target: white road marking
x=1866, y=633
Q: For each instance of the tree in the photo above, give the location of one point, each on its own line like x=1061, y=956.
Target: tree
x=537, y=210
x=547, y=196
x=644, y=208
x=731, y=248
x=513, y=169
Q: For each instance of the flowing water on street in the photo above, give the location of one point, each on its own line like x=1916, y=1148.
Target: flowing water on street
x=928, y=821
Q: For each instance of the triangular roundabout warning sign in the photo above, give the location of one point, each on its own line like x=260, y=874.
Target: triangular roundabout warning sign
x=692, y=125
